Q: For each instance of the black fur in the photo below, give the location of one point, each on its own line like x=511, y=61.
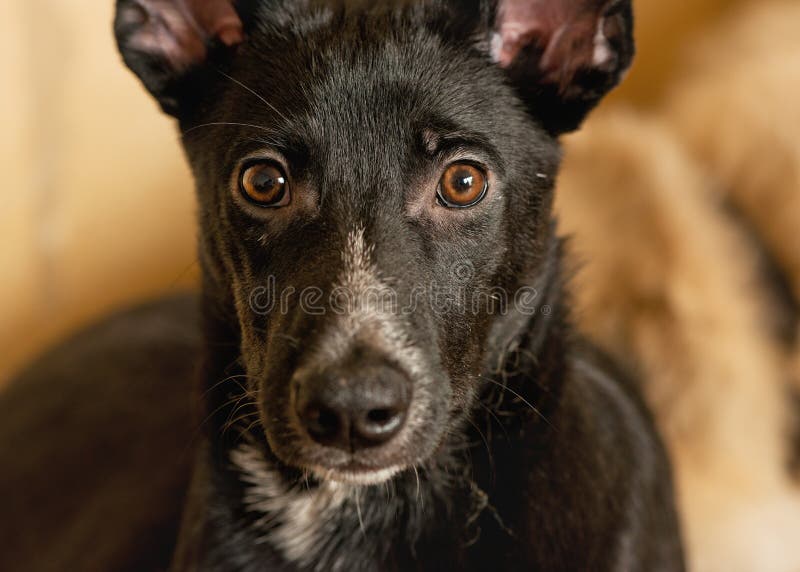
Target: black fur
x=529, y=451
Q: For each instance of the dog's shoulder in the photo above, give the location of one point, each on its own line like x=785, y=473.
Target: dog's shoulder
x=586, y=483
x=618, y=476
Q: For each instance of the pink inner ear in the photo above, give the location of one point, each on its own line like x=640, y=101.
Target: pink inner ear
x=569, y=34
x=218, y=19
x=179, y=30
x=523, y=22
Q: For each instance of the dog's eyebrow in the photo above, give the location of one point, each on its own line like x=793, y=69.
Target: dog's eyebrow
x=293, y=149
x=430, y=141
x=439, y=144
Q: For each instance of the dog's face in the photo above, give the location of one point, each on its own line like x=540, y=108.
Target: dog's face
x=375, y=186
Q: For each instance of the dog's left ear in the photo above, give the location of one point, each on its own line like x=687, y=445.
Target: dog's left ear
x=164, y=41
x=563, y=56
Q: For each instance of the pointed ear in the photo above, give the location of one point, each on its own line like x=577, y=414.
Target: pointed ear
x=563, y=55
x=163, y=41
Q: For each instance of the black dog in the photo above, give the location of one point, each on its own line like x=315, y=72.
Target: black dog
x=389, y=376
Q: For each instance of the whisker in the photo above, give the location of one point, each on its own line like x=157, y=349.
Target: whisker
x=248, y=398
x=184, y=273
x=416, y=474
x=358, y=512
x=518, y=396
x=233, y=400
x=486, y=444
x=233, y=423
x=225, y=123
x=240, y=405
x=250, y=427
x=258, y=95
x=490, y=412
x=226, y=380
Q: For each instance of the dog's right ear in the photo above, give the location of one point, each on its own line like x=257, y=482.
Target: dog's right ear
x=163, y=41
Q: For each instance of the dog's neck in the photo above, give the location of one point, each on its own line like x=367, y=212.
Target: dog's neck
x=258, y=511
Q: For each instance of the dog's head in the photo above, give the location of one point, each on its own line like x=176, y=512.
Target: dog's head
x=375, y=184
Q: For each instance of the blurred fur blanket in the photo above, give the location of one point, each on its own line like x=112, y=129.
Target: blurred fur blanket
x=684, y=222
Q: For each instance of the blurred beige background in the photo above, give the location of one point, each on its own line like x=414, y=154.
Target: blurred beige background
x=97, y=206
x=97, y=203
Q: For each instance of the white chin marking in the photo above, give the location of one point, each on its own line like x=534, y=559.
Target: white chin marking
x=295, y=519
x=362, y=478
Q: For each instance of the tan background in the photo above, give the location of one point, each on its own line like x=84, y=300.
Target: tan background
x=97, y=207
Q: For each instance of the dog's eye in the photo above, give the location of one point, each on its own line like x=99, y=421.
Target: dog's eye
x=265, y=184
x=463, y=185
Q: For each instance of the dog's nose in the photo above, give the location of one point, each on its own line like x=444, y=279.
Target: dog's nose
x=353, y=409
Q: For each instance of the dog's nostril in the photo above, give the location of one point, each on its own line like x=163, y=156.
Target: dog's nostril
x=379, y=425
x=323, y=424
x=380, y=416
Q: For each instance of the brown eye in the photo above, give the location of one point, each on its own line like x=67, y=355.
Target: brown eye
x=265, y=184
x=463, y=185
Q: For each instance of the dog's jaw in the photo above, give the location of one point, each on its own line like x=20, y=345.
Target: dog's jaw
x=305, y=520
